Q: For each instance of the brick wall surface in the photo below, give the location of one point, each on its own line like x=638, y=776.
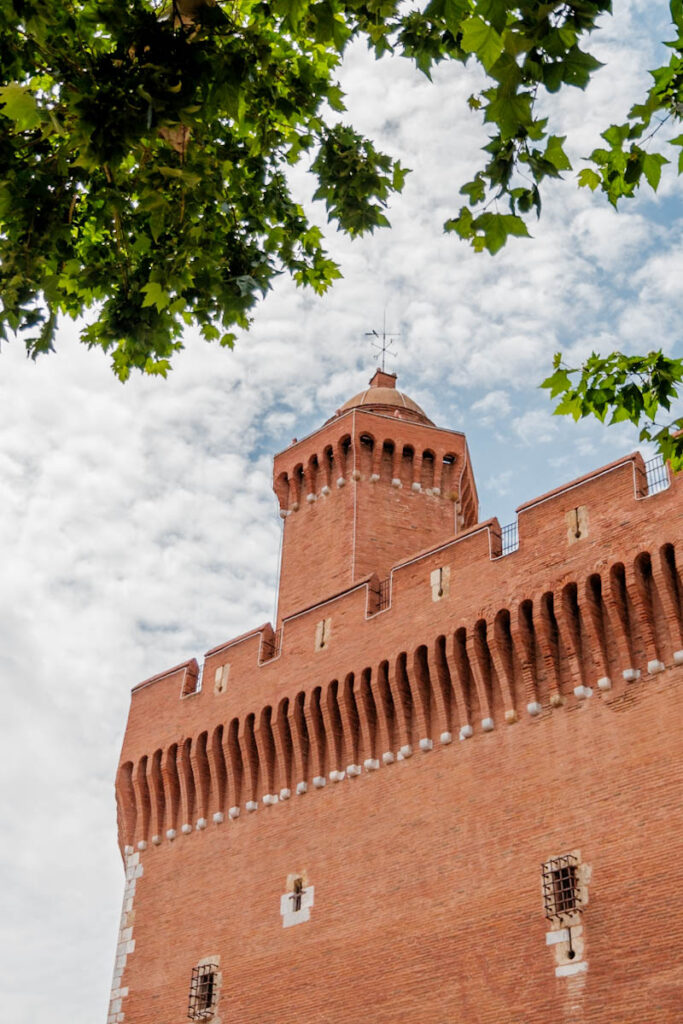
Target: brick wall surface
x=487, y=714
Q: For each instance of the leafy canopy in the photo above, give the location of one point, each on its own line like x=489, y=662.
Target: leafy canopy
x=144, y=147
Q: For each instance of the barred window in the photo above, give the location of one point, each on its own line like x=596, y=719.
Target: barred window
x=560, y=886
x=203, y=990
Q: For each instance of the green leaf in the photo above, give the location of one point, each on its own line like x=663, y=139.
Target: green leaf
x=588, y=178
x=20, y=106
x=652, y=168
x=482, y=39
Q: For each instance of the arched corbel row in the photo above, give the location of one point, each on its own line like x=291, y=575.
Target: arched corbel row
x=142, y=801
x=594, y=621
x=501, y=651
x=234, y=768
x=350, y=725
x=669, y=586
x=403, y=704
x=316, y=735
x=569, y=618
x=422, y=697
x=300, y=742
x=283, y=751
x=202, y=778
x=523, y=634
x=387, y=726
x=187, y=786
x=218, y=774
x=126, y=810
x=155, y=785
x=334, y=733
x=265, y=750
x=367, y=714
x=443, y=690
x=640, y=583
x=464, y=689
x=171, y=785
x=250, y=762
x=548, y=641
x=480, y=665
x=616, y=604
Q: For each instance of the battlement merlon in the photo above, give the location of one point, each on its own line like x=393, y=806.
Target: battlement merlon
x=599, y=519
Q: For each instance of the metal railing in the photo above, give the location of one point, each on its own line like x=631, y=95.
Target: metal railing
x=509, y=536
x=658, y=478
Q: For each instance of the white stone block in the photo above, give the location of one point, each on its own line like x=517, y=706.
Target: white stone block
x=115, y=1006
x=218, y=817
x=233, y=812
x=336, y=776
x=251, y=806
x=374, y=477
x=678, y=657
x=534, y=708
x=487, y=724
x=325, y=490
x=436, y=491
x=352, y=770
x=552, y=938
x=388, y=757
x=285, y=794
x=416, y=486
x=426, y=744
x=128, y=850
x=341, y=481
x=406, y=751
x=566, y=970
x=465, y=732
x=138, y=871
x=655, y=666
x=301, y=787
x=356, y=474
x=171, y=833
x=142, y=844
x=395, y=482
x=319, y=781
x=310, y=498
x=186, y=829
x=156, y=840
x=446, y=737
x=631, y=674
x=511, y=716
x=604, y=683
x=582, y=692
x=201, y=824
x=284, y=513
x=371, y=764
x=130, y=947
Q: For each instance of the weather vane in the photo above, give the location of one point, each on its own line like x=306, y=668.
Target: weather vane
x=384, y=343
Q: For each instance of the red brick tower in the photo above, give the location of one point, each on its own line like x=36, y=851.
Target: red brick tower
x=304, y=841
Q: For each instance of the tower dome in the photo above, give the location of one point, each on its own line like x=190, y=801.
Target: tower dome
x=383, y=397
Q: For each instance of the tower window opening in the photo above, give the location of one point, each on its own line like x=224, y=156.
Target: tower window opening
x=560, y=886
x=449, y=460
x=203, y=991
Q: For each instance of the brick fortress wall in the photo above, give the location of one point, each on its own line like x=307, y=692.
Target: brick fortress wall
x=414, y=762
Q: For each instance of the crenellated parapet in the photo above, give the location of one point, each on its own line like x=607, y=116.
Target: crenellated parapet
x=459, y=642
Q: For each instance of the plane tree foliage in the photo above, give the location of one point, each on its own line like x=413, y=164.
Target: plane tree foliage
x=144, y=148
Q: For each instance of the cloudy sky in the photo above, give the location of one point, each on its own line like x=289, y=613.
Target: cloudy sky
x=137, y=523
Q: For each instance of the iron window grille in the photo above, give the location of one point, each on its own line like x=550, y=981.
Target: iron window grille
x=203, y=992
x=383, y=595
x=561, y=896
x=657, y=473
